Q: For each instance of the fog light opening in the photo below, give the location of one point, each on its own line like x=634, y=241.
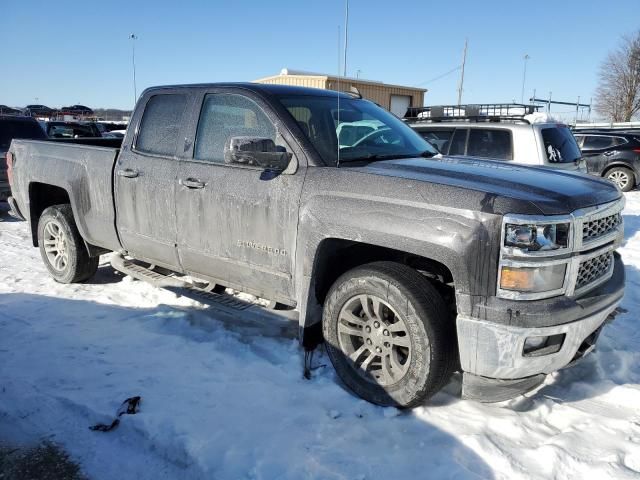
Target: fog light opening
x=539, y=346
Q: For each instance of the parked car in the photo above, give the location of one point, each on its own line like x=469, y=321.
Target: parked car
x=5, y=110
x=613, y=155
x=72, y=130
x=407, y=268
x=503, y=136
x=14, y=127
x=39, y=110
x=77, y=110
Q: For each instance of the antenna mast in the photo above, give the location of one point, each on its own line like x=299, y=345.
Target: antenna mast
x=346, y=36
x=464, y=61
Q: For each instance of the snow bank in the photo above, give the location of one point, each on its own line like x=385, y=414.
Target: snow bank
x=227, y=402
x=540, y=117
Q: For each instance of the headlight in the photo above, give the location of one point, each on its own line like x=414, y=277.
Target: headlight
x=533, y=238
x=533, y=279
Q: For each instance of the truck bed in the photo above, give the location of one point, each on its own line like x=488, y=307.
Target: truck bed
x=82, y=167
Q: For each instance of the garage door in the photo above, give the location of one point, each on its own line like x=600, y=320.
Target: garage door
x=399, y=104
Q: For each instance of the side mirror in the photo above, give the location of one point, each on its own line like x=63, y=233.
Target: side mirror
x=256, y=151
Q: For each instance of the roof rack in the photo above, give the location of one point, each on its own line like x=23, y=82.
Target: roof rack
x=479, y=112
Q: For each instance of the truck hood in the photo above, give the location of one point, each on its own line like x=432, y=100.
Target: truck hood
x=552, y=191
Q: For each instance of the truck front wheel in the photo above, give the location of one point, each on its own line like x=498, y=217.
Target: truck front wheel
x=61, y=246
x=389, y=334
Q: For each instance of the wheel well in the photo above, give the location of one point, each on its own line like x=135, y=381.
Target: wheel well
x=42, y=196
x=619, y=165
x=335, y=257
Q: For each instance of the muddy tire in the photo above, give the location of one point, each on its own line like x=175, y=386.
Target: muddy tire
x=389, y=334
x=623, y=177
x=62, y=248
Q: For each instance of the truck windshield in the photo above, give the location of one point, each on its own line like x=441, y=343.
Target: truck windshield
x=560, y=145
x=354, y=129
x=10, y=129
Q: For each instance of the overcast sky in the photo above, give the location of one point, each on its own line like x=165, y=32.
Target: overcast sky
x=65, y=52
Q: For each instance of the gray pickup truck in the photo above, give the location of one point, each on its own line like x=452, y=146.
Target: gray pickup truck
x=408, y=265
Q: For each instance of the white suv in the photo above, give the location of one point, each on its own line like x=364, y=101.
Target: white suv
x=519, y=140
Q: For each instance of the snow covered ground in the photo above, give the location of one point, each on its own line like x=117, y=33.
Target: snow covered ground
x=228, y=402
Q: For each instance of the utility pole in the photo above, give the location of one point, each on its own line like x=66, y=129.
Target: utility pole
x=524, y=76
x=133, y=38
x=346, y=36
x=464, y=61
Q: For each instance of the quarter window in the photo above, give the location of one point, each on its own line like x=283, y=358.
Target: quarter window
x=161, y=124
x=490, y=143
x=228, y=115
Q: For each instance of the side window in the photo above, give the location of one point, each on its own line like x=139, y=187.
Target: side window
x=224, y=116
x=458, y=142
x=438, y=138
x=595, y=143
x=579, y=139
x=161, y=124
x=490, y=143
x=619, y=141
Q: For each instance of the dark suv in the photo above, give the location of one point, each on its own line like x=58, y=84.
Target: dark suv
x=613, y=155
x=14, y=127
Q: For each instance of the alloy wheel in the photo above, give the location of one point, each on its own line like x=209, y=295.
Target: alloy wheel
x=375, y=339
x=620, y=178
x=56, y=245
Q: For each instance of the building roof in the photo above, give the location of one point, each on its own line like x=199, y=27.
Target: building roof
x=287, y=72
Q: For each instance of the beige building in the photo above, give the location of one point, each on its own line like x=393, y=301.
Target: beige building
x=394, y=98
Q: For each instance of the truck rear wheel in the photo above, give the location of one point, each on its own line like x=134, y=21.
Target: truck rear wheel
x=61, y=246
x=389, y=334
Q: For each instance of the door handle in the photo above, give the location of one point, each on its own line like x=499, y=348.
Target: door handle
x=609, y=153
x=128, y=173
x=192, y=183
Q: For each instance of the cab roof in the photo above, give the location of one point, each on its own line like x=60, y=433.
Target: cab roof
x=264, y=88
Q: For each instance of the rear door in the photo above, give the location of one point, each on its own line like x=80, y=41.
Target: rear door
x=598, y=152
x=237, y=224
x=492, y=143
x=145, y=179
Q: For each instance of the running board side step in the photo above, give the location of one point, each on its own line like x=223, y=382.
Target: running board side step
x=147, y=274
x=129, y=267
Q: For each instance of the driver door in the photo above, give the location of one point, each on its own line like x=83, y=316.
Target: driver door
x=237, y=224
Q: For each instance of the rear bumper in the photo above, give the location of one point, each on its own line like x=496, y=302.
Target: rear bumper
x=492, y=354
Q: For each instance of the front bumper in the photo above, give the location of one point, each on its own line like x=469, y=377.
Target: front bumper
x=492, y=353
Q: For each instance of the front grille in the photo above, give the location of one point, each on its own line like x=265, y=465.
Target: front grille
x=596, y=228
x=594, y=268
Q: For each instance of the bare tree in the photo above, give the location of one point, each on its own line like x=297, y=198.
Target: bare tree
x=618, y=93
